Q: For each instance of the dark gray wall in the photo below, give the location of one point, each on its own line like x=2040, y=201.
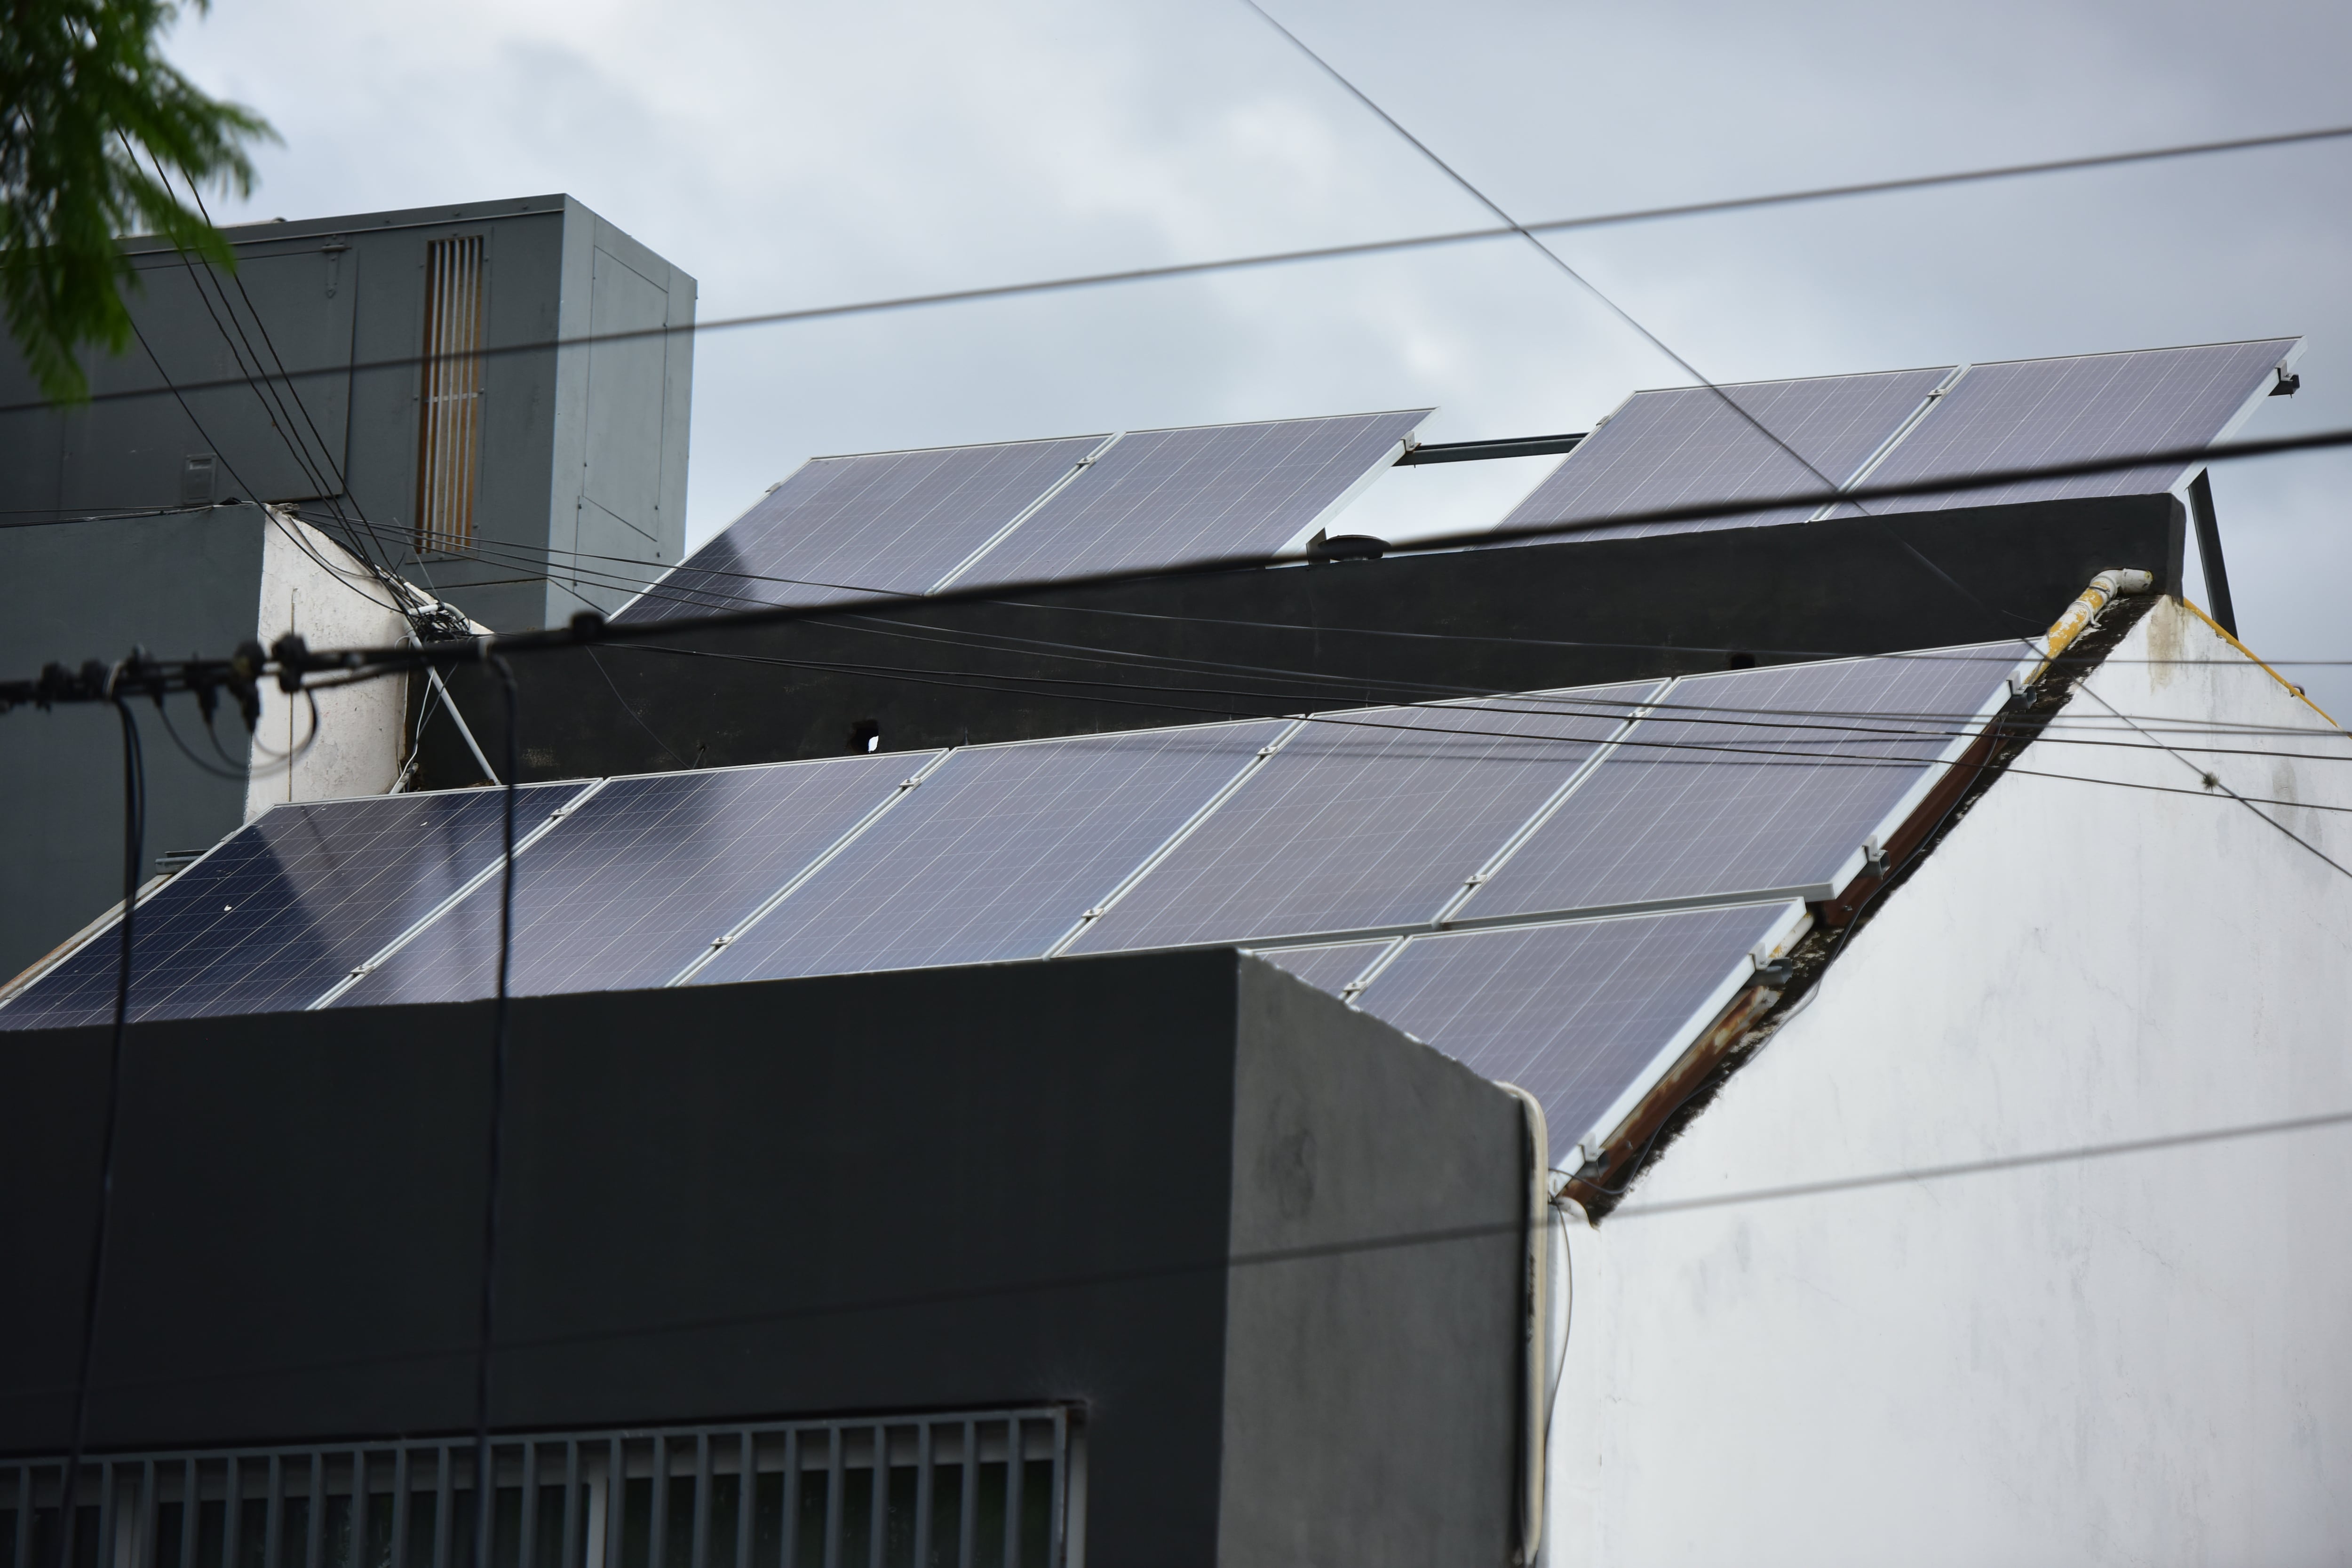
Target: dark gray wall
x=582, y=450
x=1370, y=1391
x=72, y=592
x=913, y=1190
x=1181, y=651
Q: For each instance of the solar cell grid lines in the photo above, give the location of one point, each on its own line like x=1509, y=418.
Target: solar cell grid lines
x=1683, y=445
x=1326, y=968
x=1575, y=1014
x=996, y=854
x=2030, y=412
x=637, y=883
x=1161, y=497
x=1755, y=779
x=287, y=907
x=1367, y=819
x=882, y=522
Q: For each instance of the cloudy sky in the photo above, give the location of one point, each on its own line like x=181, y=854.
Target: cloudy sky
x=791, y=154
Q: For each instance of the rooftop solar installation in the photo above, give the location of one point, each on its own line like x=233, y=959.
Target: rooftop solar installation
x=1159, y=497
x=2031, y=412
x=1364, y=819
x=1755, y=779
x=842, y=528
x=1687, y=446
x=287, y=907
x=1576, y=1015
x=637, y=883
x=1326, y=968
x=996, y=854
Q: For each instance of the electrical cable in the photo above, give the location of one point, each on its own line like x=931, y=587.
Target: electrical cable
x=134, y=839
x=1289, y=258
x=962, y=1291
x=1581, y=282
x=485, y=1490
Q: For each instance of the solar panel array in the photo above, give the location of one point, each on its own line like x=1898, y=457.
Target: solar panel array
x=1578, y=1014
x=910, y=522
x=842, y=528
x=640, y=879
x=2030, y=413
x=1687, y=446
x=997, y=855
x=1366, y=819
x=1509, y=814
x=287, y=907
x=1167, y=496
x=1753, y=780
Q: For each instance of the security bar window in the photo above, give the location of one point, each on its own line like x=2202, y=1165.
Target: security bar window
x=993, y=1488
x=449, y=451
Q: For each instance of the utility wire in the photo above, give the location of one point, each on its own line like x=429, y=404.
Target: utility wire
x=1094, y=1280
x=134, y=839
x=1315, y=252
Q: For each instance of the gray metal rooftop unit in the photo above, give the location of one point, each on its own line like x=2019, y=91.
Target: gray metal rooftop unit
x=377, y=370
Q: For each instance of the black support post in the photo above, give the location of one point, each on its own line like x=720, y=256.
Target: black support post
x=2208, y=549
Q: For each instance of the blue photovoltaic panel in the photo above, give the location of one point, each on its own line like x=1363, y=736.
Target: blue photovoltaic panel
x=1751, y=780
x=841, y=527
x=1575, y=1014
x=1160, y=497
x=997, y=853
x=1366, y=819
x=1326, y=968
x=2032, y=412
x=636, y=884
x=288, y=906
x=1685, y=447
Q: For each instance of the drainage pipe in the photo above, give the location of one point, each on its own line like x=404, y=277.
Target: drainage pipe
x=1537, y=1327
x=2117, y=583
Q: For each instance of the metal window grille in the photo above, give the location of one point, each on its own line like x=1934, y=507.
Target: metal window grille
x=449, y=449
x=979, y=1490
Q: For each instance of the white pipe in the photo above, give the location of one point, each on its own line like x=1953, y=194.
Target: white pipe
x=2117, y=583
x=1538, y=1330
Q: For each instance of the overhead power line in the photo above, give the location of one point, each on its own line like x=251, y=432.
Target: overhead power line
x=1290, y=258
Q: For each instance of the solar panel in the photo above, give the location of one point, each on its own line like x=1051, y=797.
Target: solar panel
x=2032, y=412
x=1579, y=1015
x=1366, y=819
x=1756, y=779
x=287, y=907
x=1684, y=446
x=884, y=522
x=637, y=883
x=1326, y=968
x=996, y=854
x=1159, y=497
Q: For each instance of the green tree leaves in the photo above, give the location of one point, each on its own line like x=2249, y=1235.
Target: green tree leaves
x=87, y=104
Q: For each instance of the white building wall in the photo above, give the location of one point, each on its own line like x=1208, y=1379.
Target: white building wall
x=310, y=585
x=2136, y=1357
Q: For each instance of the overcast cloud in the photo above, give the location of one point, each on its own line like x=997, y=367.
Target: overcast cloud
x=792, y=154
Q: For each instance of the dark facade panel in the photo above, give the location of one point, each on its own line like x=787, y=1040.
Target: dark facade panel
x=1313, y=638
x=1178, y=1193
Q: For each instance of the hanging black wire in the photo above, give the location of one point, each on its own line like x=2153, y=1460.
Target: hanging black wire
x=134, y=840
x=484, y=1487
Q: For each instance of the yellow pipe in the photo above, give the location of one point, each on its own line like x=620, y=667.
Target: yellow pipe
x=2191, y=607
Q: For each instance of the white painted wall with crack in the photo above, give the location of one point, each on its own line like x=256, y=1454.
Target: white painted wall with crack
x=1944, y=1347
